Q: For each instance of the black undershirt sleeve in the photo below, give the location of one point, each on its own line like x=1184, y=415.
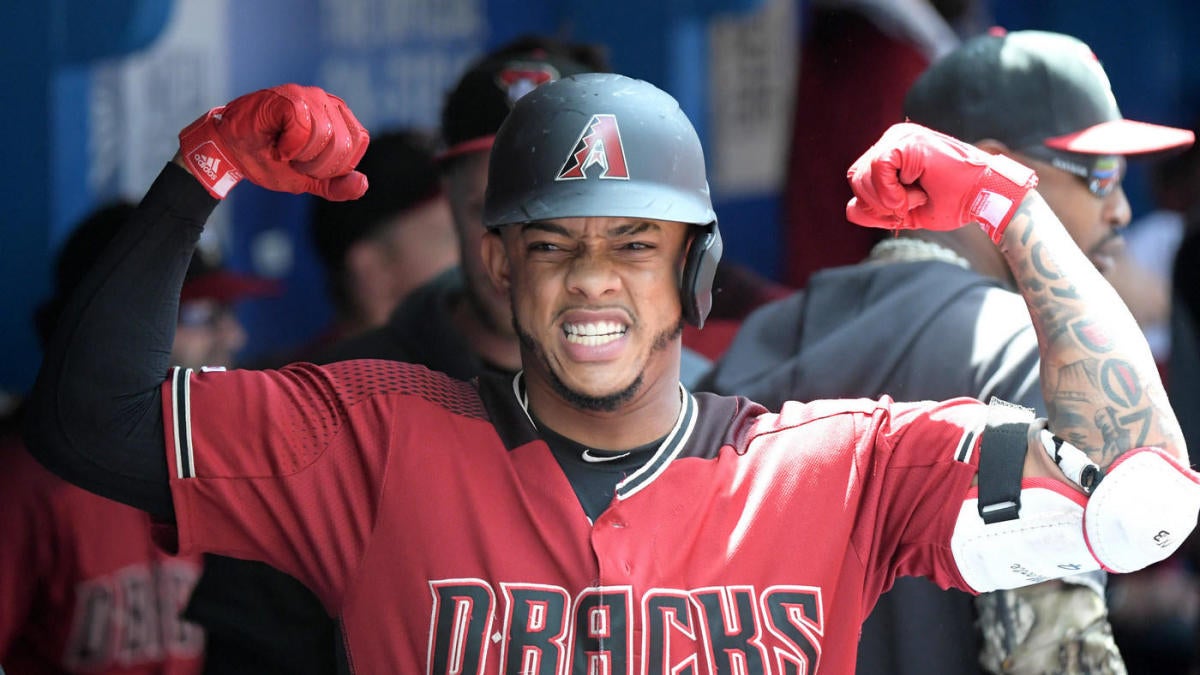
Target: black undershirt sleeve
x=95, y=413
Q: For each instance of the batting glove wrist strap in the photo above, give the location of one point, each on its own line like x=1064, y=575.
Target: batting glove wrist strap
x=998, y=194
x=205, y=156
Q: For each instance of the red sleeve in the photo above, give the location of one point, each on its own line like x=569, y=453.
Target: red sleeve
x=26, y=519
x=886, y=479
x=287, y=466
x=916, y=476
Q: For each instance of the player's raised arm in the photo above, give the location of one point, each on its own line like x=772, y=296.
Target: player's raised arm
x=1102, y=390
x=95, y=411
x=1101, y=386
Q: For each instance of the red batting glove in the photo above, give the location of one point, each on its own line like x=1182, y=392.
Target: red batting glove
x=288, y=138
x=917, y=178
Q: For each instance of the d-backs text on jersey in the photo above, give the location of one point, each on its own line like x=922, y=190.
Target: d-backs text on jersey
x=541, y=629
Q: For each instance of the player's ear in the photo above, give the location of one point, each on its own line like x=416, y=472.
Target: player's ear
x=495, y=259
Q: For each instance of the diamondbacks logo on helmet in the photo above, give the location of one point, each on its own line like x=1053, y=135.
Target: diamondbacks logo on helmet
x=599, y=144
x=521, y=77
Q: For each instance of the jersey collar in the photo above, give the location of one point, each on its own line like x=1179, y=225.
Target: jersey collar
x=668, y=450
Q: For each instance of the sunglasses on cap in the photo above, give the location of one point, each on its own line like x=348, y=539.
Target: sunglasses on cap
x=1102, y=174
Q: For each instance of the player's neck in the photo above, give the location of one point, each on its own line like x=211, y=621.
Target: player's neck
x=649, y=415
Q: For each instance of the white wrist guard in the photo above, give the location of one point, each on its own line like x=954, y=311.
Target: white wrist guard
x=1142, y=511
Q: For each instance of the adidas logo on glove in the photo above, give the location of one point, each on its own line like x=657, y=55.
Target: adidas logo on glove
x=208, y=159
x=208, y=165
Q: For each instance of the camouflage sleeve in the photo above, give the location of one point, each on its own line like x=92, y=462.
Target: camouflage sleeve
x=1051, y=627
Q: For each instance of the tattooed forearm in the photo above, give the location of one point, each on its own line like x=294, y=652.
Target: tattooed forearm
x=1116, y=438
x=1121, y=383
x=1102, y=389
x=1091, y=336
x=1068, y=401
x=1124, y=420
x=1042, y=266
x=1138, y=424
x=1054, y=322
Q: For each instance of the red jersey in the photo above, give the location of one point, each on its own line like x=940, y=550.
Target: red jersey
x=430, y=516
x=83, y=589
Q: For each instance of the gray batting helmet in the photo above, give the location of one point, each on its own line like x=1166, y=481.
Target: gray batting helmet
x=600, y=144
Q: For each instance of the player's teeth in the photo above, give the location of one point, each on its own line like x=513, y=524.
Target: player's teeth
x=594, y=328
x=592, y=340
x=593, y=334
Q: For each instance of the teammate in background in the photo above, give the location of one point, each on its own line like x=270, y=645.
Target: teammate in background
x=83, y=588
x=376, y=250
x=259, y=619
x=957, y=327
x=208, y=332
x=589, y=513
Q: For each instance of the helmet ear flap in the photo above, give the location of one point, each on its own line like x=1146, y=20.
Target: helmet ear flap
x=699, y=270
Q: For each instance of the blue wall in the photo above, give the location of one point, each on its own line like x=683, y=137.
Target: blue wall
x=68, y=61
x=392, y=69
x=42, y=40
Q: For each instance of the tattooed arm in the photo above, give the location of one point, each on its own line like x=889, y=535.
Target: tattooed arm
x=1102, y=389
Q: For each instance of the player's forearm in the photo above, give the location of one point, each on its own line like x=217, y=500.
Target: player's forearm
x=95, y=412
x=1102, y=389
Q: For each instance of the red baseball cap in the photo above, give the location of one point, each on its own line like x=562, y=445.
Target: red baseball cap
x=484, y=95
x=207, y=281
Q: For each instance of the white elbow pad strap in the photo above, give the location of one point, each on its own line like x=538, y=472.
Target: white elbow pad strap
x=1044, y=542
x=1011, y=531
x=1141, y=512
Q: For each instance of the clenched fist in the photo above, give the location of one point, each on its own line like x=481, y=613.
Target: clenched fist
x=287, y=138
x=917, y=178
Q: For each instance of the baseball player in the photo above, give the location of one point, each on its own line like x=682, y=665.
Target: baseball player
x=589, y=514
x=258, y=619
